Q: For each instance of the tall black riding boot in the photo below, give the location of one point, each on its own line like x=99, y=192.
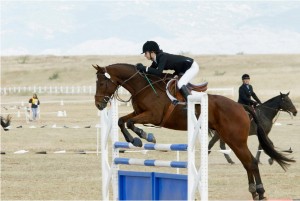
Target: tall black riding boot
x=184, y=92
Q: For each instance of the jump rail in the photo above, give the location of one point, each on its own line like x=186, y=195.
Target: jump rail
x=197, y=133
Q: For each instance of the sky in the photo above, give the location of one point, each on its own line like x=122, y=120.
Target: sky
x=122, y=27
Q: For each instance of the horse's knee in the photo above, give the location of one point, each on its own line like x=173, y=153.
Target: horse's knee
x=120, y=122
x=130, y=124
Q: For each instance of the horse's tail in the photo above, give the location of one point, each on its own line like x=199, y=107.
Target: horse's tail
x=266, y=143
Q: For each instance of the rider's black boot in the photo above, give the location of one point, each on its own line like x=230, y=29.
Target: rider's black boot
x=184, y=92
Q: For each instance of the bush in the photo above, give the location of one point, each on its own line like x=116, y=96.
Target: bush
x=54, y=76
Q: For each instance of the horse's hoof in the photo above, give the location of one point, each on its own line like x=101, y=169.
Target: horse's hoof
x=255, y=196
x=151, y=138
x=262, y=198
x=231, y=162
x=137, y=142
x=271, y=161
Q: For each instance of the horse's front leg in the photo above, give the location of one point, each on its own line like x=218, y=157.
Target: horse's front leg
x=259, y=149
x=142, y=118
x=213, y=140
x=122, y=120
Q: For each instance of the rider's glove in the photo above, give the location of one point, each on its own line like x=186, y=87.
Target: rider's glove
x=254, y=103
x=140, y=67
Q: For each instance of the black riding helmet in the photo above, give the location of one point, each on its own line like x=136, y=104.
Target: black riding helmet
x=150, y=46
x=245, y=76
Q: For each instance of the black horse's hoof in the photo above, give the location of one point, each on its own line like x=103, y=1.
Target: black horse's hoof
x=137, y=142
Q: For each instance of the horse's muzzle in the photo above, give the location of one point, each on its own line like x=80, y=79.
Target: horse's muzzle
x=100, y=105
x=295, y=113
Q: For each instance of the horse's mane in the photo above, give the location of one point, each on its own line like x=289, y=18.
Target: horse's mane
x=132, y=67
x=271, y=101
x=121, y=64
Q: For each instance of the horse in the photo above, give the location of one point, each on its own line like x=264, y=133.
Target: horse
x=5, y=122
x=266, y=112
x=150, y=104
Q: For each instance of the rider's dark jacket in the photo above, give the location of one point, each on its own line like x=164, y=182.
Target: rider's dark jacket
x=245, y=94
x=166, y=61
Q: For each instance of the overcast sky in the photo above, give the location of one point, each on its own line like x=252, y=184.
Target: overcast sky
x=121, y=27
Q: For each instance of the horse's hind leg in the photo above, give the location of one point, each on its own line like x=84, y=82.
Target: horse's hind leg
x=250, y=164
x=223, y=147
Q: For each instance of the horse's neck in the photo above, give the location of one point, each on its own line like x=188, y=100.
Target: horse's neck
x=269, y=110
x=135, y=83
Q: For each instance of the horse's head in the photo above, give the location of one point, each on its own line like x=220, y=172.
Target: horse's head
x=5, y=123
x=105, y=87
x=286, y=104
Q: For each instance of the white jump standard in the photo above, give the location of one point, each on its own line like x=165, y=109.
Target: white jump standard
x=197, y=178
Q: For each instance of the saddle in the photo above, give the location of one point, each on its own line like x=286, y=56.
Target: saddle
x=176, y=97
x=174, y=93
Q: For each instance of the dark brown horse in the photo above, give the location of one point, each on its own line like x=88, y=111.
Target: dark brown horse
x=150, y=106
x=266, y=113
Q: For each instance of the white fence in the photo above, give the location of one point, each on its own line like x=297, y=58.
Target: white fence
x=88, y=90
x=53, y=90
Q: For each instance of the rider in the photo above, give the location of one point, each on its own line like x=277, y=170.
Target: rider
x=246, y=92
x=185, y=66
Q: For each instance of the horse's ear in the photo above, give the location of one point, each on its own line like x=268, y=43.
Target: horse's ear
x=288, y=93
x=96, y=67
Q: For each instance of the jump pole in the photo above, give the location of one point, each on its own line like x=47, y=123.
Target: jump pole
x=197, y=178
x=198, y=132
x=109, y=130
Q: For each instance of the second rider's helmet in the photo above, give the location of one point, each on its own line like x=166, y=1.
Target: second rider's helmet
x=150, y=46
x=245, y=76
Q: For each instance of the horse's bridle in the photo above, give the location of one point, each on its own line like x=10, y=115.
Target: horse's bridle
x=106, y=99
x=116, y=94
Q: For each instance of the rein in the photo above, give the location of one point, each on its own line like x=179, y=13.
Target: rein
x=116, y=93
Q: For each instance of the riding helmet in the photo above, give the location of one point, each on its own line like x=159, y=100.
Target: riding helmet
x=150, y=46
x=245, y=76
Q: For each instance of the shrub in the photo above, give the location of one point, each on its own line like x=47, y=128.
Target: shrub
x=54, y=76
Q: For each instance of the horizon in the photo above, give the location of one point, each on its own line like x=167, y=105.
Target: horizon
x=66, y=28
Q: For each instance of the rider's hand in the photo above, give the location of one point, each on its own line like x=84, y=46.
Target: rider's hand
x=254, y=104
x=140, y=67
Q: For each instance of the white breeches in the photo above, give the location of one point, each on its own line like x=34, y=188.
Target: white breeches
x=188, y=75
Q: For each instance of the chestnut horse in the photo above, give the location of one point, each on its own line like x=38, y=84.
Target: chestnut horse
x=150, y=104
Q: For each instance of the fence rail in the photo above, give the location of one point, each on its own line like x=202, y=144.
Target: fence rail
x=53, y=90
x=87, y=90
